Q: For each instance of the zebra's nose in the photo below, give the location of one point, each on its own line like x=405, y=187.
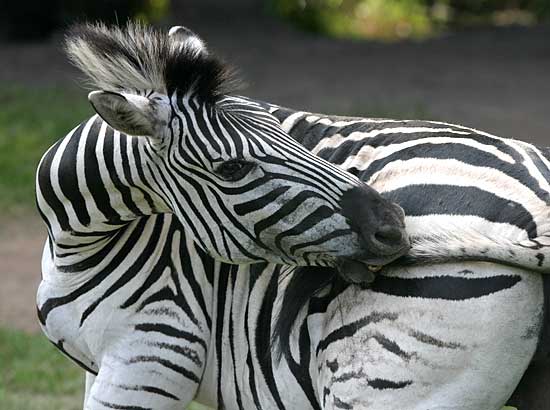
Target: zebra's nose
x=378, y=222
x=388, y=235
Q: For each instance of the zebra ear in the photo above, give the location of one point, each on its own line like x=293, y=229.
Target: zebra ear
x=183, y=38
x=129, y=113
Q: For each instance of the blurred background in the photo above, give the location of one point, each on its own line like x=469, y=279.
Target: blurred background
x=481, y=63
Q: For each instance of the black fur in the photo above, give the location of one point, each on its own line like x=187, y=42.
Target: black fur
x=304, y=284
x=184, y=70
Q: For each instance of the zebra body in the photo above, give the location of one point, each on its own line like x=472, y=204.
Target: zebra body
x=188, y=327
x=131, y=293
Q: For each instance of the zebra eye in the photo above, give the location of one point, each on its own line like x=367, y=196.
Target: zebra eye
x=234, y=169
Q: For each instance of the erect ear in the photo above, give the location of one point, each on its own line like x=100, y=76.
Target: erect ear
x=130, y=113
x=184, y=38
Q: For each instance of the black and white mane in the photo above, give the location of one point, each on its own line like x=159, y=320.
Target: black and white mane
x=143, y=58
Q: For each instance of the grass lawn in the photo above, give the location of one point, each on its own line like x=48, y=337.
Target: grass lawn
x=34, y=375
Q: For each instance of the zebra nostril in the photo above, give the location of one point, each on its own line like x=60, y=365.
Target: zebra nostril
x=389, y=235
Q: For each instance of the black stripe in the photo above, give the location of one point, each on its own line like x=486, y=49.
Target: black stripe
x=46, y=188
x=109, y=158
x=462, y=153
x=103, y=252
x=263, y=340
x=233, y=277
x=68, y=177
x=94, y=182
x=131, y=272
x=260, y=202
x=223, y=279
x=418, y=200
x=184, y=351
x=170, y=331
x=383, y=384
x=191, y=276
x=120, y=406
x=221, y=121
x=149, y=389
x=443, y=287
x=286, y=209
x=312, y=219
x=165, y=363
x=300, y=369
x=329, y=236
x=61, y=347
x=350, y=329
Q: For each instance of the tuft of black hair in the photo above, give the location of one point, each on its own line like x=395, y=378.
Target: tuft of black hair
x=206, y=75
x=305, y=283
x=140, y=57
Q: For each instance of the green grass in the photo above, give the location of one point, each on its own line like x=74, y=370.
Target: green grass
x=31, y=120
x=34, y=375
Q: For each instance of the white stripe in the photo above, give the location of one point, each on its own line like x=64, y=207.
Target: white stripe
x=289, y=121
x=367, y=153
x=399, y=174
x=337, y=139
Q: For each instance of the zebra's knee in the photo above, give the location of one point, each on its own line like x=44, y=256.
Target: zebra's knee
x=119, y=385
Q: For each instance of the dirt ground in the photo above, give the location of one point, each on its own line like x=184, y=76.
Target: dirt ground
x=494, y=79
x=21, y=243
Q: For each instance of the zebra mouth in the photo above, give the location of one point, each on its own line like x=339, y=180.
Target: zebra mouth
x=357, y=272
x=363, y=271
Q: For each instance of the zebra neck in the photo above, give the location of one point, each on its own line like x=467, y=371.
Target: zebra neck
x=312, y=129
x=92, y=183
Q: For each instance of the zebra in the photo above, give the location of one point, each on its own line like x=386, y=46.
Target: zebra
x=160, y=318
x=209, y=157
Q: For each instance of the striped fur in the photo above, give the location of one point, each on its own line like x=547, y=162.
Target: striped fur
x=170, y=324
x=467, y=194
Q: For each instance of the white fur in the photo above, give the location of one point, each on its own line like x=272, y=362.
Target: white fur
x=115, y=73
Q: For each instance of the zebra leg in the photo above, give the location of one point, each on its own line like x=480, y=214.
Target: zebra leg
x=140, y=381
x=450, y=336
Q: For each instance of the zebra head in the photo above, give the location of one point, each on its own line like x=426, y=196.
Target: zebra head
x=240, y=185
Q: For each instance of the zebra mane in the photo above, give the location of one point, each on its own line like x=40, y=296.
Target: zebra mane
x=305, y=284
x=145, y=59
